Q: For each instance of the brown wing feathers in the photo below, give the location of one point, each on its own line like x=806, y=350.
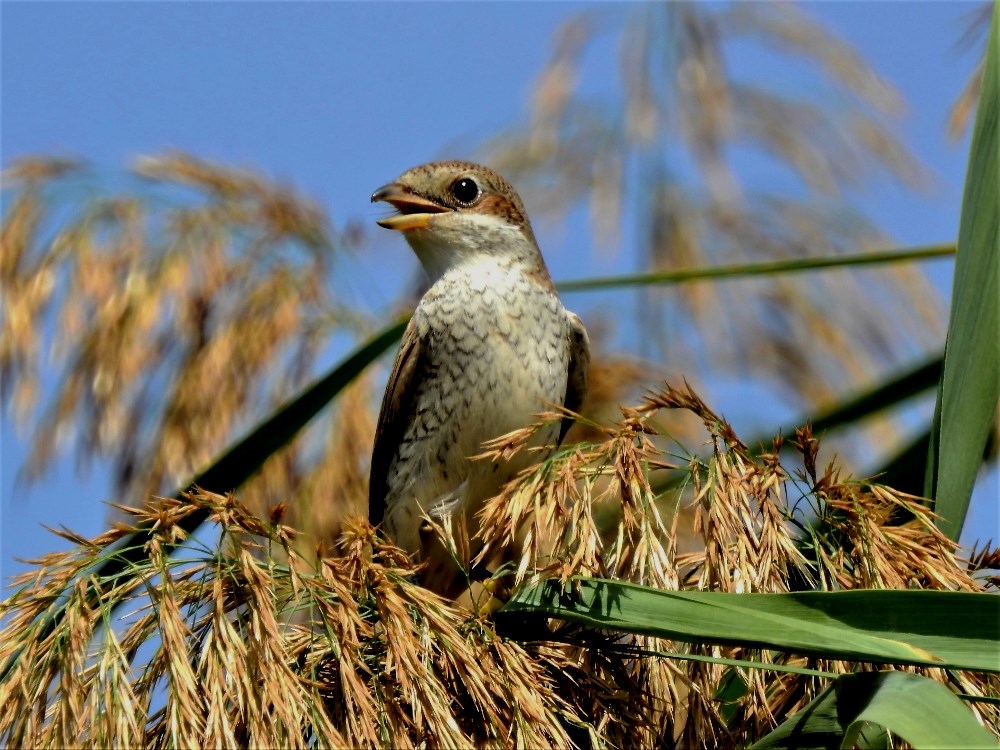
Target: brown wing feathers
x=395, y=416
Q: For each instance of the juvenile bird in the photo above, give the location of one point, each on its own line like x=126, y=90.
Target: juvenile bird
x=489, y=347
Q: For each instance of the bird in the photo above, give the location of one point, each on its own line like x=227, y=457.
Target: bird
x=488, y=348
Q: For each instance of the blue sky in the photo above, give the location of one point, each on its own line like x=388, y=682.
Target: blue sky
x=338, y=98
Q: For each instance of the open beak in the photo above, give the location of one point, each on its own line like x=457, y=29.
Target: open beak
x=415, y=212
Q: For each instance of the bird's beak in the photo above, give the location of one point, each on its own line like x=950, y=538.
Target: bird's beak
x=415, y=211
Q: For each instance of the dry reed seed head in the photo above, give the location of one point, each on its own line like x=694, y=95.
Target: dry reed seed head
x=256, y=653
x=545, y=516
x=986, y=560
x=156, y=295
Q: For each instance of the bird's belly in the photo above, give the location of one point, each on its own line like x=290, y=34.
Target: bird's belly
x=509, y=398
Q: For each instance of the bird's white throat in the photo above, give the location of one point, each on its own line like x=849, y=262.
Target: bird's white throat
x=473, y=243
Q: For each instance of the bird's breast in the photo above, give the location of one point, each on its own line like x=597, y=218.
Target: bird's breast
x=499, y=356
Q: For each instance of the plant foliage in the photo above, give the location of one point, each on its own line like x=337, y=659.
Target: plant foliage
x=244, y=641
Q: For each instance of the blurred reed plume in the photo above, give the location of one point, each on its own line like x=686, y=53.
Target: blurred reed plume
x=663, y=161
x=975, y=38
x=229, y=644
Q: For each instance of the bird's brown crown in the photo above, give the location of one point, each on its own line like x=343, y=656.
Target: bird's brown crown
x=441, y=182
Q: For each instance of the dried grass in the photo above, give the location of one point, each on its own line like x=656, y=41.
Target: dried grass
x=247, y=642
x=176, y=306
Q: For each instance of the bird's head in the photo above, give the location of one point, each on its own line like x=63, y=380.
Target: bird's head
x=453, y=211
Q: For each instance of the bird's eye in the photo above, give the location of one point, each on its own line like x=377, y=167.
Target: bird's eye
x=465, y=190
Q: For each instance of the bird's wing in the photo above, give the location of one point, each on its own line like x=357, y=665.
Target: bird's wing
x=579, y=363
x=397, y=412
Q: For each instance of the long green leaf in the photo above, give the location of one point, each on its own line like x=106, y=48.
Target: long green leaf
x=232, y=468
x=770, y=268
x=919, y=710
x=895, y=390
x=929, y=628
x=970, y=384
